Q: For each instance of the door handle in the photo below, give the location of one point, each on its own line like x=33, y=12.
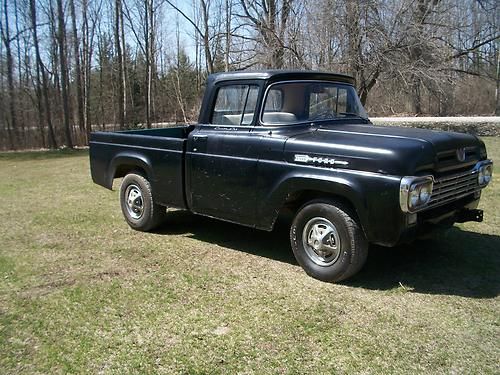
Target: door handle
x=200, y=140
x=200, y=137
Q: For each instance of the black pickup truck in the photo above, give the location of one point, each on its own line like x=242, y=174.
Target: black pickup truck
x=274, y=141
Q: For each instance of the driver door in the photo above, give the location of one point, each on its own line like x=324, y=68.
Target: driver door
x=223, y=155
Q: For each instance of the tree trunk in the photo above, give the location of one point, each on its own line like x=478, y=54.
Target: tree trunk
x=353, y=39
x=497, y=89
x=228, y=6
x=271, y=31
x=19, y=72
x=78, y=70
x=416, y=96
x=61, y=38
x=38, y=92
x=86, y=68
x=124, y=72
x=121, y=89
x=101, y=81
x=148, y=5
x=41, y=67
x=10, y=77
x=3, y=111
x=423, y=8
x=366, y=87
x=206, y=37
x=276, y=58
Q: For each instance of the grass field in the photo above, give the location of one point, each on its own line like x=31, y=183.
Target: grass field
x=80, y=292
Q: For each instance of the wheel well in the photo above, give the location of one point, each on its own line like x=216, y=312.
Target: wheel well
x=123, y=169
x=296, y=200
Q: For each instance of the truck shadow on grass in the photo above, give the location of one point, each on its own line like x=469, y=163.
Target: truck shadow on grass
x=273, y=245
x=457, y=262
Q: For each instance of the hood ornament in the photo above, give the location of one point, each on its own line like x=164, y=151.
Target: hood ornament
x=461, y=154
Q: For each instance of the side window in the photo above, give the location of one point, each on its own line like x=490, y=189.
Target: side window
x=342, y=101
x=281, y=105
x=253, y=92
x=322, y=100
x=327, y=101
x=274, y=101
x=235, y=105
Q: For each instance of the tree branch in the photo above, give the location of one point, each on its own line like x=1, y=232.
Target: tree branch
x=186, y=17
x=474, y=47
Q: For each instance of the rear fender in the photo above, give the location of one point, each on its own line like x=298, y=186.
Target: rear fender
x=130, y=161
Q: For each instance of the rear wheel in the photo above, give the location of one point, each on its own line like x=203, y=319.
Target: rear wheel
x=136, y=201
x=327, y=241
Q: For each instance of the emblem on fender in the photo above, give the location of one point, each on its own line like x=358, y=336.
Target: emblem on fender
x=318, y=160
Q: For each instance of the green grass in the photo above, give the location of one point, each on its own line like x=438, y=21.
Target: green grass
x=80, y=292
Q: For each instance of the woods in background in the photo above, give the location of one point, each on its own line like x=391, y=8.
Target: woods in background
x=68, y=67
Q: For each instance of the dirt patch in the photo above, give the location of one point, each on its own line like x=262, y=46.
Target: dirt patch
x=46, y=288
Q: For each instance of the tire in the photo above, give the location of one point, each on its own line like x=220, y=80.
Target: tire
x=327, y=241
x=136, y=201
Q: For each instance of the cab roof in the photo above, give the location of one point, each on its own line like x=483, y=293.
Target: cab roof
x=279, y=75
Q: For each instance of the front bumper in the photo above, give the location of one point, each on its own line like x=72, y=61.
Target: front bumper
x=427, y=222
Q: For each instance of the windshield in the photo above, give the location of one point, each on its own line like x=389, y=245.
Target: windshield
x=293, y=102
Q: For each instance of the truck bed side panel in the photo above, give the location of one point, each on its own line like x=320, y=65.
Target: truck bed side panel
x=160, y=158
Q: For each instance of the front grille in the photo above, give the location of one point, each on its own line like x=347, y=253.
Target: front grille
x=447, y=160
x=451, y=155
x=452, y=187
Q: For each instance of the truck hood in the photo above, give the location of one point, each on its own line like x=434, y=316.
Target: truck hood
x=382, y=149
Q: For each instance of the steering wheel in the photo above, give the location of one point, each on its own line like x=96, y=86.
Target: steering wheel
x=324, y=115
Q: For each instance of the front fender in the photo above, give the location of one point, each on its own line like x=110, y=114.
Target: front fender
x=375, y=197
x=296, y=183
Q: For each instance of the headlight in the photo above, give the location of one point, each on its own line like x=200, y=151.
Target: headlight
x=484, y=174
x=425, y=193
x=415, y=192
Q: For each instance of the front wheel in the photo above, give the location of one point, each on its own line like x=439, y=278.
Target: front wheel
x=328, y=242
x=136, y=201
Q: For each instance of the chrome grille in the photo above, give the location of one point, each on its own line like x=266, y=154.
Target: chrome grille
x=450, y=188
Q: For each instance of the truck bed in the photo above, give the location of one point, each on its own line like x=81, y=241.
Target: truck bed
x=160, y=151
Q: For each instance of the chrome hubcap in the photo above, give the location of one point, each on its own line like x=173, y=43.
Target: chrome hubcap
x=135, y=204
x=321, y=241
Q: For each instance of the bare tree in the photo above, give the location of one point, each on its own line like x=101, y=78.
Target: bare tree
x=7, y=40
x=270, y=19
x=149, y=44
x=78, y=69
x=88, y=33
x=120, y=52
x=497, y=88
x=228, y=7
x=41, y=72
x=61, y=40
x=203, y=31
